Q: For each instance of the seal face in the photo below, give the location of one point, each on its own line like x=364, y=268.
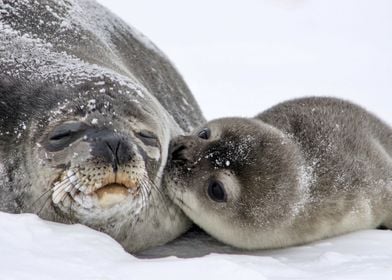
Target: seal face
x=304, y=170
x=86, y=116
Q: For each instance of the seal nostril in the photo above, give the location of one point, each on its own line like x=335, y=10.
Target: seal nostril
x=178, y=153
x=114, y=154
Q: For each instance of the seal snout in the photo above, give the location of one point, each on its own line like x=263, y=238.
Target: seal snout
x=106, y=180
x=180, y=147
x=113, y=149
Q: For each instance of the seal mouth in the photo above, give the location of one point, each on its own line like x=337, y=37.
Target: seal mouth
x=111, y=188
x=113, y=193
x=105, y=193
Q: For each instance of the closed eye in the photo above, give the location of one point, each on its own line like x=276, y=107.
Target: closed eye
x=61, y=135
x=148, y=138
x=64, y=134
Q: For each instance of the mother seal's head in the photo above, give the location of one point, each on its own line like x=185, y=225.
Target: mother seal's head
x=93, y=158
x=87, y=109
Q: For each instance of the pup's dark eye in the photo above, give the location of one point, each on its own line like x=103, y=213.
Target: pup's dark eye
x=148, y=138
x=204, y=133
x=64, y=134
x=216, y=191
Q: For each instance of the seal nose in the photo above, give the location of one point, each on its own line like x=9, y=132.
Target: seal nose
x=113, y=149
x=179, y=149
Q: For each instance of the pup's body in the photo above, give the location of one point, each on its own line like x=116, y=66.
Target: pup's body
x=301, y=171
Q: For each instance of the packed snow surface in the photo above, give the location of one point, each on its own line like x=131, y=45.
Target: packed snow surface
x=35, y=249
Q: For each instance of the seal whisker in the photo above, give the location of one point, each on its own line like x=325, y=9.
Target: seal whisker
x=70, y=208
x=43, y=206
x=161, y=195
x=58, y=193
x=145, y=198
x=58, y=185
x=39, y=198
x=63, y=196
x=155, y=187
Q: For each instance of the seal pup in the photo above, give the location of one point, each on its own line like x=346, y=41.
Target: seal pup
x=304, y=170
x=87, y=110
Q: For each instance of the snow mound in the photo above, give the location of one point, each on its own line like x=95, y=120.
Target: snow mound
x=35, y=249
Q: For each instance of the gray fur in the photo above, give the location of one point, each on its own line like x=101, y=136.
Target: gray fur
x=303, y=170
x=74, y=61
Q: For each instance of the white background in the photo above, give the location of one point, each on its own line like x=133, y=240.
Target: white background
x=241, y=57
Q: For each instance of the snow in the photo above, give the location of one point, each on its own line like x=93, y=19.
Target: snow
x=238, y=58
x=37, y=249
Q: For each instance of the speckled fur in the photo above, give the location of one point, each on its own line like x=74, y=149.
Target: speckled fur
x=75, y=61
x=301, y=171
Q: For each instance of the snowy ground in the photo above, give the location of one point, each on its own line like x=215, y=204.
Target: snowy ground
x=238, y=57
x=35, y=249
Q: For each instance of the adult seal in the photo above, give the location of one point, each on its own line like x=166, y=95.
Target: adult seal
x=301, y=171
x=87, y=109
